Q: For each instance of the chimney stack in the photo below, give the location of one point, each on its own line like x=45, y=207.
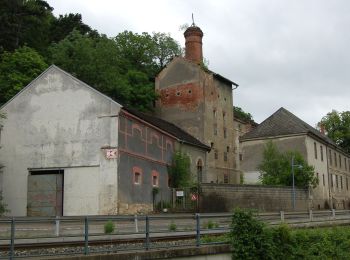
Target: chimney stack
x=193, y=44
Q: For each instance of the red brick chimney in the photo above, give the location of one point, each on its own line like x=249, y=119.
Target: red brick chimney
x=193, y=42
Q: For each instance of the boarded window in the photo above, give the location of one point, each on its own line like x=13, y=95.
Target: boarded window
x=137, y=175
x=155, y=179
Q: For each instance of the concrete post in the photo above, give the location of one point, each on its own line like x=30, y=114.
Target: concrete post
x=333, y=213
x=282, y=215
x=310, y=215
x=136, y=224
x=57, y=226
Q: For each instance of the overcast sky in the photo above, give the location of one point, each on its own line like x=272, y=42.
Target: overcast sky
x=286, y=53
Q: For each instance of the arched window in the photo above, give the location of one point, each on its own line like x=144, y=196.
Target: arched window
x=199, y=170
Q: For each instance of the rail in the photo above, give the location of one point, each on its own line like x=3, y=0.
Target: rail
x=86, y=234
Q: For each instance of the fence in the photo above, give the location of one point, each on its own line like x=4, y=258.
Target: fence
x=131, y=232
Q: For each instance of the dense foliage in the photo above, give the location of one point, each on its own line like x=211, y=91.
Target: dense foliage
x=3, y=206
x=123, y=67
x=337, y=127
x=276, y=169
x=179, y=170
x=252, y=239
x=240, y=114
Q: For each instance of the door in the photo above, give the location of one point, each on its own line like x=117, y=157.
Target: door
x=45, y=193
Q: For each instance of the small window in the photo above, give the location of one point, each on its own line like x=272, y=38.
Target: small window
x=341, y=182
x=225, y=133
x=321, y=150
x=216, y=154
x=339, y=161
x=178, y=93
x=137, y=172
x=225, y=178
x=241, y=157
x=315, y=150
x=224, y=116
x=330, y=157
x=318, y=177
x=211, y=144
x=332, y=184
x=324, y=183
x=155, y=179
x=189, y=91
x=347, y=183
x=336, y=181
x=215, y=129
x=335, y=160
x=214, y=113
x=228, y=149
x=345, y=164
x=225, y=156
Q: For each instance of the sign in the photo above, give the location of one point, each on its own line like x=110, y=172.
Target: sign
x=179, y=193
x=111, y=153
x=194, y=197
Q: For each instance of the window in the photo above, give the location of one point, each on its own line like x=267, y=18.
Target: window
x=315, y=150
x=137, y=178
x=228, y=149
x=225, y=133
x=321, y=151
x=216, y=154
x=224, y=116
x=331, y=180
x=339, y=161
x=330, y=157
x=211, y=144
x=214, y=113
x=317, y=175
x=335, y=160
x=225, y=156
x=347, y=183
x=336, y=181
x=225, y=178
x=155, y=179
x=323, y=180
x=215, y=129
x=241, y=157
x=345, y=164
x=199, y=170
x=341, y=182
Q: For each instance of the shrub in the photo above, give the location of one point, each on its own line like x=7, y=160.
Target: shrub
x=172, y=226
x=3, y=206
x=109, y=227
x=211, y=224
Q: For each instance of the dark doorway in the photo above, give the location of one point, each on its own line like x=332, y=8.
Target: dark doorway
x=45, y=193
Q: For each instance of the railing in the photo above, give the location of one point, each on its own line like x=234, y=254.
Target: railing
x=131, y=232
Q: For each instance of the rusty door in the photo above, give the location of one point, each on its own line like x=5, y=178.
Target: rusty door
x=45, y=193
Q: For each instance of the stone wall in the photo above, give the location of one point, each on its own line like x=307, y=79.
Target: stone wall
x=225, y=197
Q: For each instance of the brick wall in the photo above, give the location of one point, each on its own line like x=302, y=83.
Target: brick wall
x=225, y=197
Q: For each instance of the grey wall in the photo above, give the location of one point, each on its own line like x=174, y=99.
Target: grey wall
x=60, y=122
x=226, y=197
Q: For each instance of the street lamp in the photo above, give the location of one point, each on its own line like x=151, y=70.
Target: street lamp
x=293, y=184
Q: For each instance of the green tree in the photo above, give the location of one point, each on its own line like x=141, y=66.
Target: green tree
x=337, y=127
x=179, y=170
x=25, y=23
x=240, y=114
x=275, y=168
x=17, y=69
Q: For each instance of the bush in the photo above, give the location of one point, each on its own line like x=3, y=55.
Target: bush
x=165, y=204
x=109, y=227
x=211, y=224
x=250, y=238
x=172, y=226
x=3, y=206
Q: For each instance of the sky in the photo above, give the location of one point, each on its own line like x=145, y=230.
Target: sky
x=282, y=53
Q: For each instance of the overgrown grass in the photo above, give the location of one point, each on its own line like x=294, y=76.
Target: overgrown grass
x=252, y=239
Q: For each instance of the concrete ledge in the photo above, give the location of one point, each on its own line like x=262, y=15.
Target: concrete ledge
x=152, y=254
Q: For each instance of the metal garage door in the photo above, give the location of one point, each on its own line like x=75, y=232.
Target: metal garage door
x=45, y=193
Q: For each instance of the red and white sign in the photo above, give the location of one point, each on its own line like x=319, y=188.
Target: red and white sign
x=194, y=196
x=111, y=153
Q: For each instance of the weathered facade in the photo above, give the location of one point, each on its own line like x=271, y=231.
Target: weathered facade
x=53, y=152
x=200, y=102
x=69, y=150
x=290, y=133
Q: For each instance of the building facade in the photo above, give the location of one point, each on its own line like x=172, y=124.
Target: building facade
x=289, y=133
x=200, y=102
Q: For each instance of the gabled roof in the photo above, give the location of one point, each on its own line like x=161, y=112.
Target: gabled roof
x=168, y=127
x=282, y=123
x=52, y=68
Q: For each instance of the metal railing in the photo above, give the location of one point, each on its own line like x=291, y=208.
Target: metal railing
x=86, y=233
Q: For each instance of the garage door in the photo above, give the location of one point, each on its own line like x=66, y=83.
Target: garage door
x=45, y=193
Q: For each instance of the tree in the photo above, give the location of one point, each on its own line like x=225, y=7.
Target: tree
x=240, y=114
x=179, y=170
x=17, y=69
x=275, y=168
x=25, y=23
x=337, y=127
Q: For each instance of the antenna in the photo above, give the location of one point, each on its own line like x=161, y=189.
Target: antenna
x=193, y=24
